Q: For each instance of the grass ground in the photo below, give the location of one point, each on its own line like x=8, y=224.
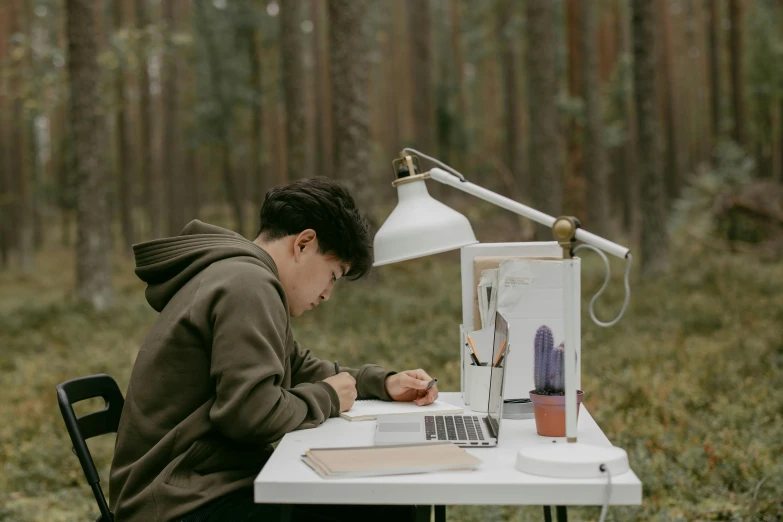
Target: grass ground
x=689, y=383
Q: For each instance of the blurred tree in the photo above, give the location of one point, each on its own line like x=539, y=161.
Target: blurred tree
x=667, y=100
x=124, y=163
x=292, y=55
x=21, y=201
x=546, y=161
x=146, y=108
x=172, y=143
x=513, y=145
x=737, y=96
x=350, y=109
x=259, y=184
x=218, y=100
x=654, y=240
x=93, y=248
x=714, y=56
x=419, y=33
x=323, y=90
x=5, y=151
x=459, y=140
x=595, y=164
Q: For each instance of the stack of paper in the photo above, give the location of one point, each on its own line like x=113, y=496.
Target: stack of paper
x=371, y=461
x=371, y=409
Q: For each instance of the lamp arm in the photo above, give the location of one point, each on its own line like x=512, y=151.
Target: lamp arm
x=446, y=178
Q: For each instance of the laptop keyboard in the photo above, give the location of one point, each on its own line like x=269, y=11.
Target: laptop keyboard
x=453, y=427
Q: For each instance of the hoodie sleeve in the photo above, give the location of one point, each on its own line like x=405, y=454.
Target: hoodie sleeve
x=249, y=325
x=370, y=378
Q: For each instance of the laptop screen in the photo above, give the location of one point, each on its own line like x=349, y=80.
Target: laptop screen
x=500, y=352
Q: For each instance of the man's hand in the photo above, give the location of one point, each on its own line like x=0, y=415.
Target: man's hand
x=345, y=386
x=409, y=386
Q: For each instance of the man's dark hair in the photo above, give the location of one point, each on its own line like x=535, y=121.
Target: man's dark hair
x=327, y=207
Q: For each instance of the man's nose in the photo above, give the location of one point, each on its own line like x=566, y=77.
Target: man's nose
x=326, y=294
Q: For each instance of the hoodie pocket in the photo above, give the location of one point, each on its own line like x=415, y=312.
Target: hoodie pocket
x=183, y=466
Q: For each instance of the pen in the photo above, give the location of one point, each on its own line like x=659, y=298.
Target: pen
x=433, y=381
x=473, y=349
x=336, y=368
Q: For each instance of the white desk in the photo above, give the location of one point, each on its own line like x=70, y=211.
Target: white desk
x=285, y=479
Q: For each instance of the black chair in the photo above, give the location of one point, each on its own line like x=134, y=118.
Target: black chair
x=91, y=425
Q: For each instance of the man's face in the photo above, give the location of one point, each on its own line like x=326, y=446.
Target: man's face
x=313, y=277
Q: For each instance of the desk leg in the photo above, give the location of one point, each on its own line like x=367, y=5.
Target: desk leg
x=423, y=513
x=440, y=513
x=547, y=514
x=562, y=514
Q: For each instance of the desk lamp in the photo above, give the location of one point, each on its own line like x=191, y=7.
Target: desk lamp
x=421, y=226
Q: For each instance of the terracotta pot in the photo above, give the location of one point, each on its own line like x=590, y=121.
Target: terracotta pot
x=550, y=413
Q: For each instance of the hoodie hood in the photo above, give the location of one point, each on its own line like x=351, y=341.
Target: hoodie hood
x=167, y=264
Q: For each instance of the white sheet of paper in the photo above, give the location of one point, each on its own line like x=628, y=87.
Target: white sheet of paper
x=371, y=409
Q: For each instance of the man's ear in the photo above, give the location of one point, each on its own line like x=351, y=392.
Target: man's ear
x=303, y=241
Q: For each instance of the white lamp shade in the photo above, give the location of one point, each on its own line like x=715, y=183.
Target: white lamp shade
x=420, y=226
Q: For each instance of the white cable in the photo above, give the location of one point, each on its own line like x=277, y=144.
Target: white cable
x=607, y=492
x=606, y=283
x=583, y=245
x=445, y=167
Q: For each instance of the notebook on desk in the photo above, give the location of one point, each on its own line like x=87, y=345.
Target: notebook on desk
x=371, y=409
x=370, y=461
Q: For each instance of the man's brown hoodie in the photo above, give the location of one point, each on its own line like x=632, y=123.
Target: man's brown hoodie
x=218, y=377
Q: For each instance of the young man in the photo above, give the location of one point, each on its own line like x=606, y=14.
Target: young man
x=219, y=376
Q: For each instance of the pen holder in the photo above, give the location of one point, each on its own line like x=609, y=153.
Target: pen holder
x=479, y=387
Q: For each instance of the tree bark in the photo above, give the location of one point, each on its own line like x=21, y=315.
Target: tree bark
x=654, y=240
x=148, y=175
x=672, y=167
x=546, y=155
x=93, y=248
x=291, y=53
x=124, y=164
x=737, y=96
x=5, y=167
x=323, y=90
x=172, y=161
x=714, y=57
x=419, y=33
x=595, y=164
x=259, y=183
x=459, y=140
x=513, y=147
x=350, y=107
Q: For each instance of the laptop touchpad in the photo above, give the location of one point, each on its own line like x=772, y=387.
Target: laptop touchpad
x=399, y=427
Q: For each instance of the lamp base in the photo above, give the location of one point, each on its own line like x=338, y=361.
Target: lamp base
x=572, y=460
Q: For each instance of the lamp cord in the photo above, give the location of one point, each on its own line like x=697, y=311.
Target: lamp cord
x=628, y=260
x=440, y=163
x=607, y=492
x=583, y=245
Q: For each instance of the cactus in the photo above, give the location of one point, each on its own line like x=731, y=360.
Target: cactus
x=548, y=372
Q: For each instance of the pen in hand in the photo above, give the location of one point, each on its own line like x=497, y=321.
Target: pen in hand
x=336, y=367
x=433, y=381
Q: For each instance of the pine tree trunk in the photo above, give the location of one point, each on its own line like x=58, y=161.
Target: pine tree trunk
x=595, y=164
x=737, y=96
x=259, y=183
x=323, y=90
x=654, y=240
x=714, y=55
x=513, y=153
x=419, y=33
x=124, y=146
x=93, y=248
x=172, y=170
x=292, y=52
x=348, y=52
x=148, y=176
x=546, y=155
x=459, y=140
x=671, y=169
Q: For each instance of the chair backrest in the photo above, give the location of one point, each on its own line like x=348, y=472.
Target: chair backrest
x=91, y=425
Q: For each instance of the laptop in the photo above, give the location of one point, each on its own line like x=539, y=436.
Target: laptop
x=463, y=430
